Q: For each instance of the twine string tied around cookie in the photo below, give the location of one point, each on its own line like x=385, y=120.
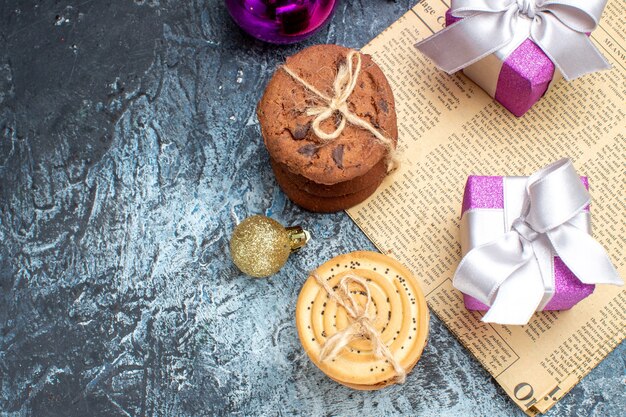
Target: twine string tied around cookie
x=362, y=325
x=343, y=86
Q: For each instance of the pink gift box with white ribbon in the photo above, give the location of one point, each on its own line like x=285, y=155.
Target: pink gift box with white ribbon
x=527, y=245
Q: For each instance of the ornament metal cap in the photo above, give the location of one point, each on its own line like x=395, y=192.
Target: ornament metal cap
x=298, y=237
x=260, y=246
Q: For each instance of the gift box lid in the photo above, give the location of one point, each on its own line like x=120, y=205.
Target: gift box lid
x=488, y=192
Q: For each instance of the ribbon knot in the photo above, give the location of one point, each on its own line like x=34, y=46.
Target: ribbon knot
x=524, y=230
x=507, y=273
x=558, y=27
x=362, y=325
x=527, y=7
x=343, y=86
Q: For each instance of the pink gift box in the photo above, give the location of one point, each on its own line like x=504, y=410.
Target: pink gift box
x=524, y=78
x=483, y=192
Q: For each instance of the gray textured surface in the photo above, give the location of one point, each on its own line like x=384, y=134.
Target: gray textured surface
x=129, y=149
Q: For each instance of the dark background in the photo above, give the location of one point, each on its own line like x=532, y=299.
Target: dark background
x=129, y=149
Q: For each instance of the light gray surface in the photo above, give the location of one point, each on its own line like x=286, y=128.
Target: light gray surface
x=129, y=149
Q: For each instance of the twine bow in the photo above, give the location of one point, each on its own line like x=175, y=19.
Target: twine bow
x=362, y=326
x=343, y=86
x=558, y=27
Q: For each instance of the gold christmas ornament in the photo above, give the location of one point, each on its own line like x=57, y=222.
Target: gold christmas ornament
x=260, y=246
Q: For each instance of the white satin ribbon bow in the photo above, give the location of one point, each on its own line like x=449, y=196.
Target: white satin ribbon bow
x=558, y=27
x=506, y=274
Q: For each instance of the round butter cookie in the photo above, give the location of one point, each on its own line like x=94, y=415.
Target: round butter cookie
x=350, y=294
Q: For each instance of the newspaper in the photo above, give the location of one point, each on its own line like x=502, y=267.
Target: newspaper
x=449, y=128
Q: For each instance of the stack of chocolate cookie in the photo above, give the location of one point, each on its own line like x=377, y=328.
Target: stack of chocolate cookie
x=316, y=173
